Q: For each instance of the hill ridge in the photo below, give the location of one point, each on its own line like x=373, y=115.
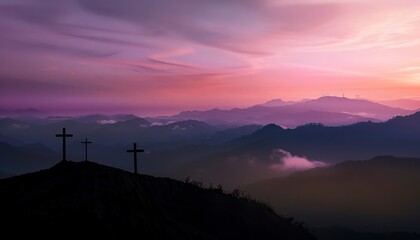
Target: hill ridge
x=92, y=200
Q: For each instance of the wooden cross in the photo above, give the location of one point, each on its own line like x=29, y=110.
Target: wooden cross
x=86, y=144
x=135, y=151
x=64, y=135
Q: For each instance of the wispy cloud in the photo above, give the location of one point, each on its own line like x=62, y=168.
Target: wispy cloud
x=285, y=161
x=67, y=50
x=394, y=29
x=243, y=50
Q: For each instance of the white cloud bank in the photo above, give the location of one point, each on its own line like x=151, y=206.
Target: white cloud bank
x=285, y=161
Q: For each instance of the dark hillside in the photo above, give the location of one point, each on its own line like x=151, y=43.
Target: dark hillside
x=74, y=200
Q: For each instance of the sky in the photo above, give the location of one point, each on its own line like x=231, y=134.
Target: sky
x=156, y=57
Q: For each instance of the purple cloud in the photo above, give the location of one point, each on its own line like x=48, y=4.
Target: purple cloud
x=67, y=50
x=228, y=24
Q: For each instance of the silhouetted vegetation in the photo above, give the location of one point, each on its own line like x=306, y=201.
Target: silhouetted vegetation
x=236, y=193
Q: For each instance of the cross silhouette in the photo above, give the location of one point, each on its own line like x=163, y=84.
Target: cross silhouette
x=64, y=135
x=86, y=144
x=135, y=151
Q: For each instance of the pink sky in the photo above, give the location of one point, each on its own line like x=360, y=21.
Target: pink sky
x=153, y=57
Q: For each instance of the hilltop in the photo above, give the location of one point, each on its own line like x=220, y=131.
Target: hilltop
x=85, y=199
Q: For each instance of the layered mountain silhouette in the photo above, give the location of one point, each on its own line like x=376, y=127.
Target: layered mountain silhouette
x=28, y=113
x=332, y=111
x=167, y=145
x=358, y=107
x=380, y=194
x=255, y=156
x=87, y=200
x=227, y=155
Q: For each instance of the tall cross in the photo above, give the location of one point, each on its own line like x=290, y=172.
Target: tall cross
x=135, y=151
x=86, y=144
x=64, y=135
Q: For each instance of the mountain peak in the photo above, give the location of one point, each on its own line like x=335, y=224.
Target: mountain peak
x=268, y=130
x=271, y=127
x=335, y=98
x=276, y=103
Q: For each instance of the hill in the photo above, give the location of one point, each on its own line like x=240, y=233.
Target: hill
x=380, y=194
x=83, y=200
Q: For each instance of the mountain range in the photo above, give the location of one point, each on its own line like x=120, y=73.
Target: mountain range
x=268, y=151
x=332, y=111
x=110, y=141
x=205, y=152
x=327, y=110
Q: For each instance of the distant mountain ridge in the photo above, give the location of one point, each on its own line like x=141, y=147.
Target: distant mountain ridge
x=99, y=118
x=358, y=107
x=327, y=110
x=22, y=113
x=276, y=103
x=333, y=111
x=409, y=104
x=87, y=200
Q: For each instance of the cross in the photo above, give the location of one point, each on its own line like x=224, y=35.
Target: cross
x=135, y=151
x=64, y=135
x=86, y=144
